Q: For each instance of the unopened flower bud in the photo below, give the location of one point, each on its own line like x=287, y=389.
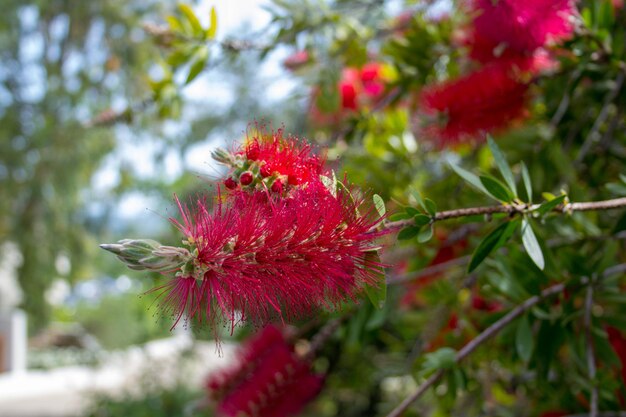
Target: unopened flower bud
x=230, y=183
x=277, y=186
x=246, y=178
x=265, y=171
x=253, y=151
x=223, y=157
x=292, y=180
x=146, y=254
x=130, y=251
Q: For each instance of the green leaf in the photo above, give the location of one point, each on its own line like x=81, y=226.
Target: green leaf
x=496, y=189
x=412, y=211
x=430, y=206
x=379, y=203
x=469, y=178
x=444, y=358
x=623, y=178
x=527, y=184
x=616, y=188
x=191, y=18
x=197, y=64
x=408, y=233
x=548, y=206
x=425, y=234
x=418, y=198
x=178, y=57
x=399, y=216
x=377, y=293
x=174, y=23
x=503, y=166
x=498, y=237
x=532, y=245
x=524, y=339
x=212, y=30
x=421, y=220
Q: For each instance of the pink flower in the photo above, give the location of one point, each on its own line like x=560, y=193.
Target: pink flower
x=257, y=258
x=267, y=380
x=522, y=26
x=487, y=100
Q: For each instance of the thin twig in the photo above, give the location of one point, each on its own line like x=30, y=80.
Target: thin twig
x=494, y=329
x=429, y=270
x=473, y=344
x=324, y=334
x=604, y=114
x=513, y=210
x=591, y=360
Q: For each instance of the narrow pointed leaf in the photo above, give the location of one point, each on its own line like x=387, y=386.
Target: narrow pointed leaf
x=503, y=166
x=496, y=189
x=469, y=178
x=548, y=206
x=527, y=184
x=532, y=245
x=212, y=30
x=191, y=18
x=524, y=339
x=498, y=237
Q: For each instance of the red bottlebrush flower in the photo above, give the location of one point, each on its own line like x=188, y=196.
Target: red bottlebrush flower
x=523, y=26
x=486, y=100
x=268, y=379
x=287, y=160
x=258, y=258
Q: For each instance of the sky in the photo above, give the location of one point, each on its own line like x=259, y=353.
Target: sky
x=207, y=87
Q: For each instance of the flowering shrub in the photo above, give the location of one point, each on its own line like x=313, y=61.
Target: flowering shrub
x=519, y=310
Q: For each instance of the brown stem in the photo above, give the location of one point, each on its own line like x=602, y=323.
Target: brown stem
x=591, y=360
x=429, y=270
x=494, y=329
x=473, y=344
x=513, y=210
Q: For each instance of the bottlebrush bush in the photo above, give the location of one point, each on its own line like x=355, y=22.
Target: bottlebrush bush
x=490, y=173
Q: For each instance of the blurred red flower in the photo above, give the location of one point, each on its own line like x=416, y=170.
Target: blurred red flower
x=257, y=258
x=267, y=380
x=487, y=100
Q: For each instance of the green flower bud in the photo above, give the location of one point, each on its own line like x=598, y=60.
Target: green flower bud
x=146, y=254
